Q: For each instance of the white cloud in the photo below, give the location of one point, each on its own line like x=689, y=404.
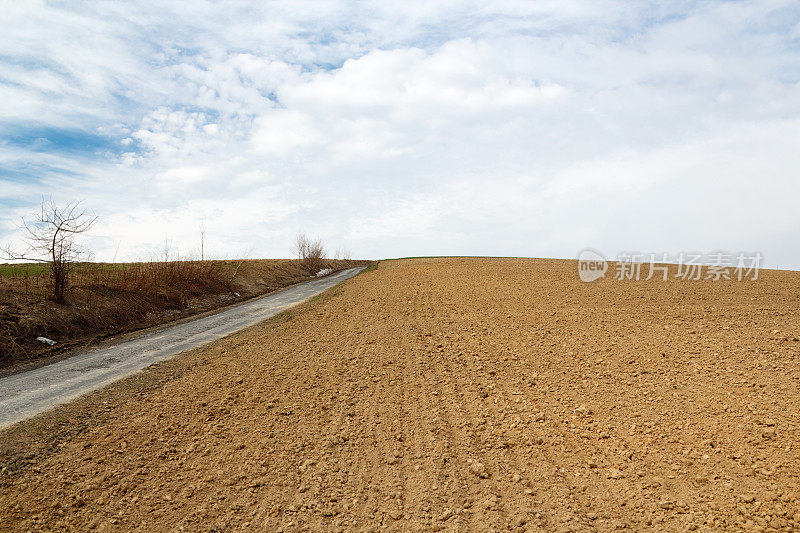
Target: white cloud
x=423, y=128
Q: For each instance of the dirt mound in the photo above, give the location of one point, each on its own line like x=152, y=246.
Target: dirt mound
x=446, y=394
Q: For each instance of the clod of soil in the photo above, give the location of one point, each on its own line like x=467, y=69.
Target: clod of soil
x=445, y=394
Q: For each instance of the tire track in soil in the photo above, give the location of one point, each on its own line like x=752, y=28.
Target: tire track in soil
x=443, y=487
x=508, y=504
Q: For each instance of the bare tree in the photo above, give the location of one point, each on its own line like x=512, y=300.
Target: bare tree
x=316, y=250
x=52, y=239
x=310, y=252
x=301, y=245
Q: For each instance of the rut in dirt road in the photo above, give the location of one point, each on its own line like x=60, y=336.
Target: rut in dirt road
x=449, y=394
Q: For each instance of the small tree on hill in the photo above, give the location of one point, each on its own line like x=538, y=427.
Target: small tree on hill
x=52, y=239
x=316, y=250
x=301, y=246
x=310, y=252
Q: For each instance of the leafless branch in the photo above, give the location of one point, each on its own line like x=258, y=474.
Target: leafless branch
x=52, y=239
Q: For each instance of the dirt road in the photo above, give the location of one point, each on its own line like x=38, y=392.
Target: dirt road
x=31, y=392
x=445, y=394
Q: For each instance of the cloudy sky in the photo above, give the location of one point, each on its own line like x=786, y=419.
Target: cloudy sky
x=407, y=128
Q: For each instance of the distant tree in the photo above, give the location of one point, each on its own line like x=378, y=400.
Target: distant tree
x=310, y=252
x=316, y=250
x=342, y=253
x=301, y=245
x=52, y=239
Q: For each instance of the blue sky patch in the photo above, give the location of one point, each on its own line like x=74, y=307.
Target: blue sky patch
x=43, y=139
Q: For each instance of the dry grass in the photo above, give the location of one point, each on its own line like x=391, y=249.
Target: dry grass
x=109, y=298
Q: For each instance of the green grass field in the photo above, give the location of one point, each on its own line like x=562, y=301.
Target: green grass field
x=22, y=269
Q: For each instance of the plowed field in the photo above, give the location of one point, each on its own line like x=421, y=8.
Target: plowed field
x=445, y=394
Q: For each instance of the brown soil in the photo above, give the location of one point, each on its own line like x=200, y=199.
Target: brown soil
x=445, y=394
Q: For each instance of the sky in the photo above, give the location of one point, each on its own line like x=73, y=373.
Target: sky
x=407, y=128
